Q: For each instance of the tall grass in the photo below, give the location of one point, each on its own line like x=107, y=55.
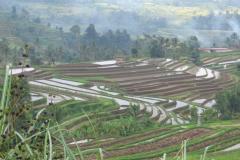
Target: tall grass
x=4, y=99
x=54, y=142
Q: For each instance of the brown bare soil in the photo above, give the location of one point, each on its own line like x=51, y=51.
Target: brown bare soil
x=127, y=140
x=173, y=140
x=151, y=80
x=214, y=140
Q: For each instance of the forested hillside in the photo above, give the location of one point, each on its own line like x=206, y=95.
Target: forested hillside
x=165, y=18
x=50, y=44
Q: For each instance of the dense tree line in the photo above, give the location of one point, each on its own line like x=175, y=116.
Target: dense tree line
x=91, y=45
x=51, y=45
x=161, y=47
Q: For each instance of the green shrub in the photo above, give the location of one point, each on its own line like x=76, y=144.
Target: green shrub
x=77, y=108
x=118, y=127
x=228, y=103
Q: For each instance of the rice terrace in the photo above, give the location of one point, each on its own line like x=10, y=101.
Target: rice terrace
x=102, y=80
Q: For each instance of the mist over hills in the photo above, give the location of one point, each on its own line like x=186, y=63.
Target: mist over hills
x=168, y=18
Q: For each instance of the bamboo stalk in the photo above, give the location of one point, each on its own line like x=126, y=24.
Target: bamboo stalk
x=185, y=150
x=3, y=99
x=205, y=153
x=5, y=87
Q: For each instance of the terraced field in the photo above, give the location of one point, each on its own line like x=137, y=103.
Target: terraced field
x=224, y=62
x=153, y=144
x=147, y=101
x=159, y=78
x=163, y=88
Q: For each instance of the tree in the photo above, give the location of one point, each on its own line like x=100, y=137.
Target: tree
x=122, y=39
x=156, y=50
x=233, y=41
x=108, y=39
x=228, y=103
x=91, y=34
x=25, y=13
x=195, y=56
x=193, y=43
x=194, y=114
x=34, y=56
x=193, y=46
x=134, y=52
x=75, y=30
x=14, y=12
x=61, y=32
x=5, y=50
x=51, y=54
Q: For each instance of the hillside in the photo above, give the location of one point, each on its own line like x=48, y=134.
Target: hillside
x=118, y=111
x=10, y=27
x=49, y=44
x=119, y=80
x=160, y=15
x=173, y=9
